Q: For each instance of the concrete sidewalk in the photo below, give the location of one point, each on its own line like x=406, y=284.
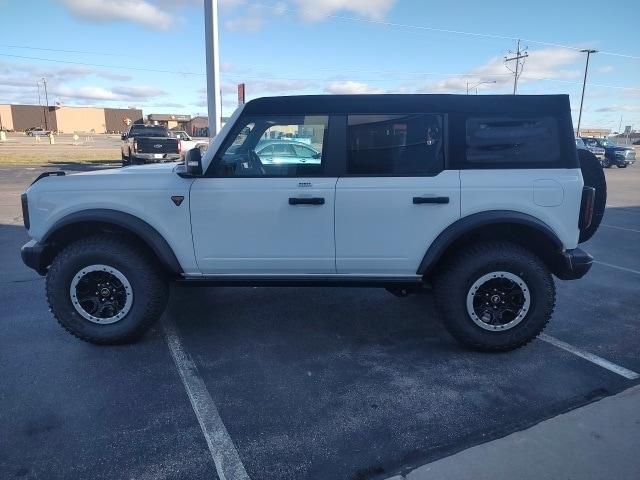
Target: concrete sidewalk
x=597, y=441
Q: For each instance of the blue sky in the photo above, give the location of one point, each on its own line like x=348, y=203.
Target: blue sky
x=99, y=52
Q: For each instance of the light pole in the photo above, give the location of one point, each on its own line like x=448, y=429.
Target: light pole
x=584, y=84
x=477, y=85
x=213, y=65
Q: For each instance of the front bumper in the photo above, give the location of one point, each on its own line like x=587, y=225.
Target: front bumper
x=573, y=264
x=140, y=158
x=34, y=256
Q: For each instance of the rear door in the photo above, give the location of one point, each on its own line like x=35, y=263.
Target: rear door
x=396, y=196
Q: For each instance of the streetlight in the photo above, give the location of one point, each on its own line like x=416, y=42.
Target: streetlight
x=477, y=85
x=584, y=84
x=213, y=65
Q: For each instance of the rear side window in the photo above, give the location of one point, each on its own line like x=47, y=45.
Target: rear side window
x=511, y=142
x=395, y=144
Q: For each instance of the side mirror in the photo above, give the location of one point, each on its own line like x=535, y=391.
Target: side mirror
x=193, y=161
x=123, y=136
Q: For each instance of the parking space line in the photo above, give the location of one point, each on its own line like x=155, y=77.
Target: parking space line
x=612, y=367
x=631, y=270
x=620, y=228
x=224, y=453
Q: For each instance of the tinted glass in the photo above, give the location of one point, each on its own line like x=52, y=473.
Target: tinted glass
x=273, y=146
x=512, y=141
x=143, y=130
x=395, y=144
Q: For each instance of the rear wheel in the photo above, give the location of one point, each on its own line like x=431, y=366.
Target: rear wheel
x=623, y=165
x=495, y=296
x=104, y=290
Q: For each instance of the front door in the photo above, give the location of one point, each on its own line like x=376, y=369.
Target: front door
x=253, y=215
x=396, y=196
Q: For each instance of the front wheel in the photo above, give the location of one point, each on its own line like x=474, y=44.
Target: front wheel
x=495, y=296
x=104, y=290
x=622, y=165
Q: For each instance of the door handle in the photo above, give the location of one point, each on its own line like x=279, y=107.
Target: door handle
x=421, y=200
x=306, y=201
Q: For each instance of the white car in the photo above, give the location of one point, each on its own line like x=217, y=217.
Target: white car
x=186, y=142
x=482, y=198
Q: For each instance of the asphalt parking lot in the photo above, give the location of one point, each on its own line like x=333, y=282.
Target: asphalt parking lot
x=310, y=383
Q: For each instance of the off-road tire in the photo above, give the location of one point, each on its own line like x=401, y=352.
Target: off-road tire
x=149, y=285
x=455, y=279
x=593, y=176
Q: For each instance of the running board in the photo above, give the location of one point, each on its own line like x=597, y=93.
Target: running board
x=302, y=281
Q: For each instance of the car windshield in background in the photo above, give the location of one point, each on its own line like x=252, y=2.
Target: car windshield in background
x=150, y=131
x=580, y=142
x=179, y=134
x=608, y=143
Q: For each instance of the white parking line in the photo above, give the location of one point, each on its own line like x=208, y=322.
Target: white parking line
x=620, y=228
x=224, y=453
x=631, y=270
x=626, y=373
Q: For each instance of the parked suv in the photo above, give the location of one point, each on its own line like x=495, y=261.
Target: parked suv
x=614, y=154
x=479, y=198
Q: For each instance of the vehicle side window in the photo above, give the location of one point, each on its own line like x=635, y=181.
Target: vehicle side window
x=304, y=152
x=395, y=144
x=271, y=146
x=512, y=141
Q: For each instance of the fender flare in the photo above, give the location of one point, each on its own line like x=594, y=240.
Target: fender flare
x=477, y=220
x=129, y=222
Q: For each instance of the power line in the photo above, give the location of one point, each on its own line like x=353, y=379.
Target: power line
x=87, y=52
x=268, y=77
x=280, y=9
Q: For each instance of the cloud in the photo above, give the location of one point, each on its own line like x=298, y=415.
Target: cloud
x=619, y=108
x=130, y=93
x=249, y=24
x=605, y=69
x=550, y=63
x=349, y=87
x=316, y=10
x=136, y=11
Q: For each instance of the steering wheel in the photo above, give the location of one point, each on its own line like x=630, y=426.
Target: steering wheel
x=255, y=164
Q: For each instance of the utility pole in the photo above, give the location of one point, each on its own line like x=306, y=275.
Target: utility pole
x=519, y=55
x=584, y=84
x=214, y=104
x=46, y=97
x=38, y=85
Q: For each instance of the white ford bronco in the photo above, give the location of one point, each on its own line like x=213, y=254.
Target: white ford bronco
x=480, y=199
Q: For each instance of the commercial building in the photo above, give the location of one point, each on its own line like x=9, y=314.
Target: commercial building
x=176, y=122
x=595, y=132
x=65, y=119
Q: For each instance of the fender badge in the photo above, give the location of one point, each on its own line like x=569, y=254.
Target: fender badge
x=177, y=199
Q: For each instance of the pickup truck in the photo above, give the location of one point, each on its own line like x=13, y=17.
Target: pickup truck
x=614, y=154
x=186, y=142
x=149, y=144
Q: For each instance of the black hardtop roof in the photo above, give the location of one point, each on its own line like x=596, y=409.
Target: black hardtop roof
x=402, y=103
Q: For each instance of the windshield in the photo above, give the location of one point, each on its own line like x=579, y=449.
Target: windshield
x=179, y=134
x=608, y=143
